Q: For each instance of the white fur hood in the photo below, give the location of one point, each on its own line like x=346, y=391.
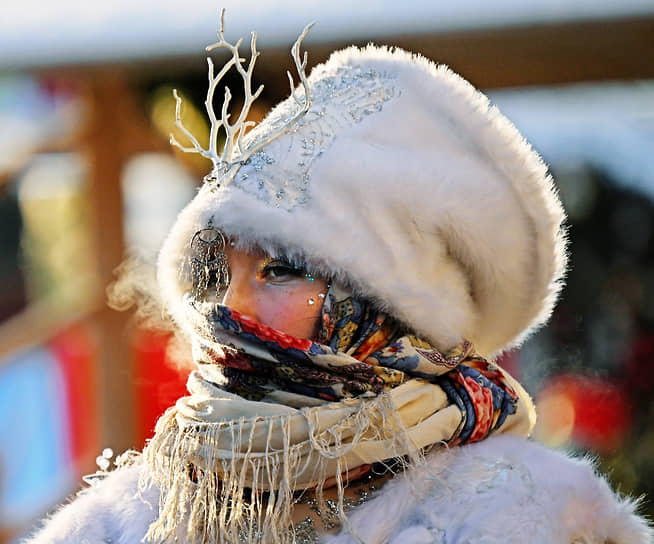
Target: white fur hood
x=403, y=182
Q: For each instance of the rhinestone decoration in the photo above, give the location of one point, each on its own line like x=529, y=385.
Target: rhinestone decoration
x=108, y=453
x=308, y=530
x=104, y=462
x=340, y=100
x=258, y=161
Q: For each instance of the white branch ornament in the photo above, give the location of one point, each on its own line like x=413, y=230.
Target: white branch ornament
x=234, y=154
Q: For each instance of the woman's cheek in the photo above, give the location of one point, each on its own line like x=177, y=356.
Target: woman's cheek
x=289, y=310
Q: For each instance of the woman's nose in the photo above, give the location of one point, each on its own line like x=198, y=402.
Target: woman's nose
x=239, y=295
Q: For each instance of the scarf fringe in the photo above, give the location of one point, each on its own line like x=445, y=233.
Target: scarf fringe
x=210, y=494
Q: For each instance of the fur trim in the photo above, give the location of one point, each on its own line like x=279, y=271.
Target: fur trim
x=500, y=490
x=113, y=511
x=427, y=201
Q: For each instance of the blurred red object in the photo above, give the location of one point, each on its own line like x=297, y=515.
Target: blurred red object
x=591, y=412
x=76, y=351
x=158, y=382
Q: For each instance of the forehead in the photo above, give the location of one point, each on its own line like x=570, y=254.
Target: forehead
x=243, y=257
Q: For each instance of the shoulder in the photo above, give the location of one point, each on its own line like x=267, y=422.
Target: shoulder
x=113, y=510
x=503, y=489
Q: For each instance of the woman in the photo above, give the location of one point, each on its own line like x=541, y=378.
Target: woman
x=345, y=276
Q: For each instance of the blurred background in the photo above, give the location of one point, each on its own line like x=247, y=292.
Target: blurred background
x=87, y=177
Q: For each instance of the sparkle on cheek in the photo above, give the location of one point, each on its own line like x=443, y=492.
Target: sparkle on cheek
x=288, y=310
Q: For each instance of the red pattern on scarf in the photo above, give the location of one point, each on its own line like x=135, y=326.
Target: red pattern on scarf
x=263, y=332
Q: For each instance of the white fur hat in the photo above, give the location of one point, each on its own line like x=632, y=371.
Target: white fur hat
x=404, y=183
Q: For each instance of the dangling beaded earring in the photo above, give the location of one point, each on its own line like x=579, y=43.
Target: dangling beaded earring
x=209, y=262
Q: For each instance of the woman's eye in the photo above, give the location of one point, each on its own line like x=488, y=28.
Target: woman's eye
x=281, y=270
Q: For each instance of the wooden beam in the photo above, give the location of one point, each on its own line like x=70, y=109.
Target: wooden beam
x=547, y=54
x=107, y=144
x=538, y=54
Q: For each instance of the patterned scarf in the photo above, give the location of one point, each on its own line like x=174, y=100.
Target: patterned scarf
x=270, y=414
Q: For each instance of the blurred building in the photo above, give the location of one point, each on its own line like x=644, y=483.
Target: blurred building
x=87, y=178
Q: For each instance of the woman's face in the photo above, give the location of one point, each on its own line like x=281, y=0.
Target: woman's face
x=275, y=293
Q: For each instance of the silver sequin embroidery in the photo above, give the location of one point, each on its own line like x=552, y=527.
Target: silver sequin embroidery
x=339, y=101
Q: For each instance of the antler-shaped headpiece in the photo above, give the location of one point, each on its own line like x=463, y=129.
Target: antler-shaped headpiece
x=234, y=153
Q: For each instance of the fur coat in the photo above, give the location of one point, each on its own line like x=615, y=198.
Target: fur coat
x=501, y=490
